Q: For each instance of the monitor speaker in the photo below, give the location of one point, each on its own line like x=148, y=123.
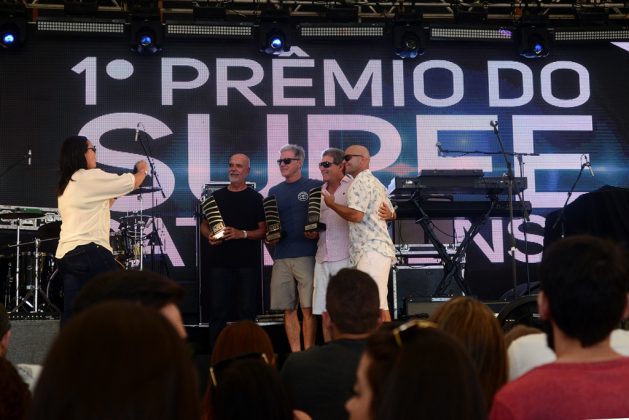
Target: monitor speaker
x=411, y=282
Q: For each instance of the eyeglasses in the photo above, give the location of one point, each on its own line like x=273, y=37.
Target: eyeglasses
x=217, y=369
x=326, y=165
x=93, y=149
x=286, y=161
x=414, y=324
x=347, y=158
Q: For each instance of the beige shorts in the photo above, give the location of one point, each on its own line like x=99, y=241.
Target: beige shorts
x=292, y=279
x=322, y=273
x=378, y=267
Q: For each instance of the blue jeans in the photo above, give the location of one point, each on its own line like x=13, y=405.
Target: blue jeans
x=79, y=266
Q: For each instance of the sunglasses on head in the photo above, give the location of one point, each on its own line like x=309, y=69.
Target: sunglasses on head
x=326, y=165
x=286, y=161
x=347, y=158
x=414, y=324
x=217, y=369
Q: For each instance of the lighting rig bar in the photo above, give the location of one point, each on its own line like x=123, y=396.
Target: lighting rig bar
x=80, y=25
x=342, y=30
x=370, y=10
x=238, y=30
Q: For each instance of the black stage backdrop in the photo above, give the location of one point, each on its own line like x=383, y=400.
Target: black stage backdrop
x=200, y=101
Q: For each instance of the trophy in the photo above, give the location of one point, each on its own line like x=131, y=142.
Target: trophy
x=272, y=216
x=210, y=210
x=314, y=211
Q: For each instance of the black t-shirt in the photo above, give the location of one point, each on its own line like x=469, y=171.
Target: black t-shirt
x=240, y=210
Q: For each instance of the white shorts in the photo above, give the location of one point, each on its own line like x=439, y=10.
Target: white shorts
x=322, y=273
x=378, y=267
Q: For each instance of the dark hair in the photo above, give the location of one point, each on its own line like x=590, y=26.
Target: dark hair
x=336, y=154
x=14, y=394
x=432, y=377
x=72, y=159
x=476, y=327
x=250, y=389
x=5, y=325
x=352, y=301
x=117, y=360
x=144, y=287
x=585, y=280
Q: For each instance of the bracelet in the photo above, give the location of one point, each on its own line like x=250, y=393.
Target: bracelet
x=245, y=233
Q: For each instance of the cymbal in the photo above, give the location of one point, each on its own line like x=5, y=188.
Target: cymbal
x=144, y=190
x=22, y=214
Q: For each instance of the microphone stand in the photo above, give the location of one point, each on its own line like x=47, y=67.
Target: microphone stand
x=510, y=180
x=560, y=216
x=524, y=228
x=154, y=179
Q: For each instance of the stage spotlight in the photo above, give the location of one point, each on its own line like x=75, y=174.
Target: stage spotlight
x=274, y=31
x=533, y=42
x=273, y=39
x=146, y=37
x=12, y=25
x=8, y=38
x=408, y=41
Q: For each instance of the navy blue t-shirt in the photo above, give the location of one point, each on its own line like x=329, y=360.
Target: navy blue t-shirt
x=292, y=203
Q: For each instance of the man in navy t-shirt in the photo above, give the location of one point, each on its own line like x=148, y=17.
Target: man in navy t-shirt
x=294, y=254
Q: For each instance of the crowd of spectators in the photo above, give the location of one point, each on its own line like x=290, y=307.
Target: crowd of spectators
x=124, y=355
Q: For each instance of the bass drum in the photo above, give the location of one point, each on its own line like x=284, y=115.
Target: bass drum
x=54, y=291
x=42, y=265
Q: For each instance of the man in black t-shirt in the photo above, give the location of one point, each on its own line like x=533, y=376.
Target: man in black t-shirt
x=234, y=260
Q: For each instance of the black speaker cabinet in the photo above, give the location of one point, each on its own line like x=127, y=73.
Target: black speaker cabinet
x=422, y=307
x=411, y=282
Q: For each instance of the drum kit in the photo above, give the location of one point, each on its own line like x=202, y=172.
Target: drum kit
x=30, y=267
x=32, y=283
x=127, y=243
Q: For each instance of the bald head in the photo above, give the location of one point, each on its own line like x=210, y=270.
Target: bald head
x=358, y=150
x=359, y=159
x=242, y=158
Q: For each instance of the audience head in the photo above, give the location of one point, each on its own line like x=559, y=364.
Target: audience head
x=144, y=288
x=14, y=394
x=520, y=330
x=584, y=282
x=5, y=331
x=117, y=360
x=240, y=338
x=415, y=371
x=476, y=327
x=237, y=339
x=352, y=303
x=248, y=388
